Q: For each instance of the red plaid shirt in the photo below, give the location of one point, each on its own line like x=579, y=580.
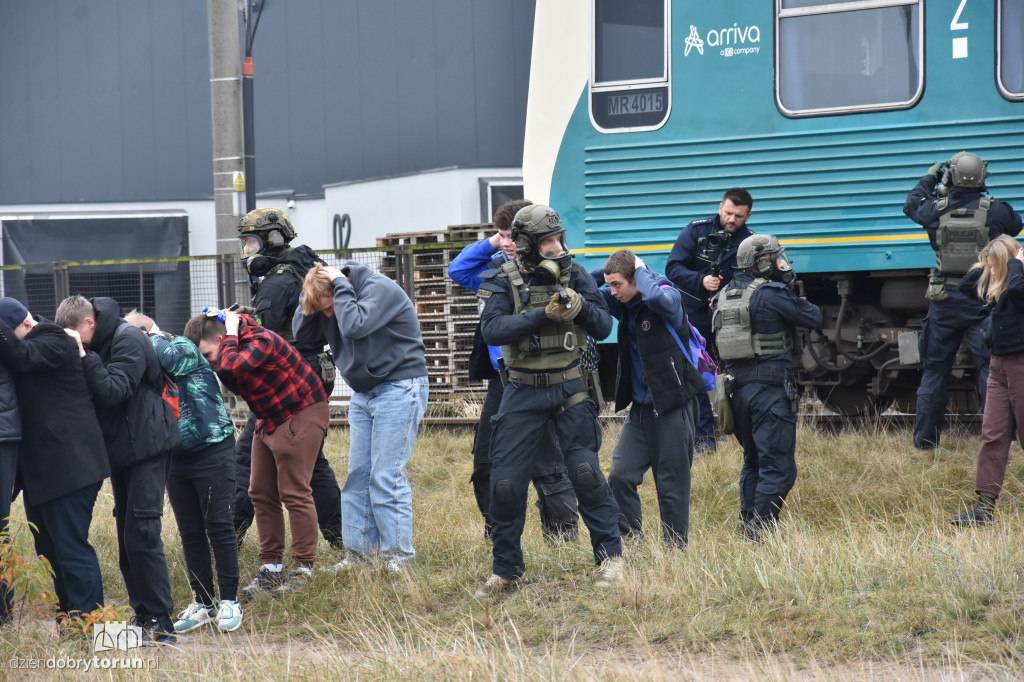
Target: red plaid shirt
x=268, y=373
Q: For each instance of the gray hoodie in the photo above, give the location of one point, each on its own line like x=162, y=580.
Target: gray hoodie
x=374, y=334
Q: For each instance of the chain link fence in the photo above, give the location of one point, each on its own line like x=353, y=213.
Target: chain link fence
x=171, y=290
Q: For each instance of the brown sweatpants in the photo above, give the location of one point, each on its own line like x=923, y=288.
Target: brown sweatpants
x=1004, y=415
x=282, y=464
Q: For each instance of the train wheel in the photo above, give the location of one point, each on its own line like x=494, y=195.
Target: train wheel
x=849, y=401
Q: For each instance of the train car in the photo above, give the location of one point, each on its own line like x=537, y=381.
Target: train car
x=642, y=113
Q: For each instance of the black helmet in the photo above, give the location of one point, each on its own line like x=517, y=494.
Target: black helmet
x=966, y=170
x=531, y=226
x=271, y=230
x=763, y=256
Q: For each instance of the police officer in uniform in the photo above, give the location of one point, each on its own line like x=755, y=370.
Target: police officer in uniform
x=754, y=321
x=701, y=263
x=539, y=308
x=958, y=226
x=276, y=273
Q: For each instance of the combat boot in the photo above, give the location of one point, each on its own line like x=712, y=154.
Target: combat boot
x=981, y=515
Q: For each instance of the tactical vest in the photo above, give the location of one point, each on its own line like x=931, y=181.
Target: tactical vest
x=733, y=332
x=553, y=346
x=280, y=269
x=961, y=236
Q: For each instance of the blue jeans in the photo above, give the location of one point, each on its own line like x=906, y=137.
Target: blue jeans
x=376, y=500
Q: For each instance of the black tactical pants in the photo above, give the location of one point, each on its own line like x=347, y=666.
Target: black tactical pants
x=519, y=426
x=765, y=417
x=555, y=498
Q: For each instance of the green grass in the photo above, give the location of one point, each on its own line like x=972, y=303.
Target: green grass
x=866, y=579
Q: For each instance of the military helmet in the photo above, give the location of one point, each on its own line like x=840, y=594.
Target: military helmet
x=271, y=225
x=763, y=256
x=531, y=226
x=967, y=170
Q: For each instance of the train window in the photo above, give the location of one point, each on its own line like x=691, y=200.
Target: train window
x=1010, y=48
x=847, y=56
x=629, y=88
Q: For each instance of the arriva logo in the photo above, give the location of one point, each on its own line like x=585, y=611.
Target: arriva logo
x=730, y=40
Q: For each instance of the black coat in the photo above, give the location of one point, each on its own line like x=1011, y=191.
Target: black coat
x=62, y=446
x=126, y=382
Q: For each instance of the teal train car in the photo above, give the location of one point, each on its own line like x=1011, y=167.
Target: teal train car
x=642, y=113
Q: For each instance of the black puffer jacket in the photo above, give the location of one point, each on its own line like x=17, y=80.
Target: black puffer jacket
x=62, y=446
x=1008, y=314
x=124, y=377
x=10, y=417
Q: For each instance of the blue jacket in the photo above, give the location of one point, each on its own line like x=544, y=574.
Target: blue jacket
x=465, y=270
x=686, y=269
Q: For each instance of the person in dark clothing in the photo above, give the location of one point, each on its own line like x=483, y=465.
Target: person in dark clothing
x=62, y=460
x=702, y=261
x=201, y=481
x=754, y=319
x=276, y=273
x=290, y=404
x=541, y=323
x=555, y=498
x=140, y=431
x=958, y=225
x=661, y=382
x=998, y=280
x=10, y=436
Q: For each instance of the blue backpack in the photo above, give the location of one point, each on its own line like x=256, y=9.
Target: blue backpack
x=696, y=352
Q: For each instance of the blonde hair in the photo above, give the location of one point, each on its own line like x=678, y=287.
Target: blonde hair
x=316, y=285
x=72, y=311
x=992, y=260
x=137, y=319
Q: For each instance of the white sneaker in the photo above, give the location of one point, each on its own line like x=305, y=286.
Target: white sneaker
x=396, y=567
x=346, y=564
x=229, y=615
x=609, y=572
x=194, y=616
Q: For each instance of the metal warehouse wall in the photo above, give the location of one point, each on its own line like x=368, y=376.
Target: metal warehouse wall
x=109, y=100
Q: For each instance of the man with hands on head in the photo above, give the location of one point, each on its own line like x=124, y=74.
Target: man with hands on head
x=374, y=334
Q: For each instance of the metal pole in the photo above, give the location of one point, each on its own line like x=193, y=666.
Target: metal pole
x=226, y=110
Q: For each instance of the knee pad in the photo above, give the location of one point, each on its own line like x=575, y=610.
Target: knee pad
x=589, y=488
x=504, y=500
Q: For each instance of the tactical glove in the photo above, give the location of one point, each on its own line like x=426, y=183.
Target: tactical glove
x=935, y=171
x=558, y=312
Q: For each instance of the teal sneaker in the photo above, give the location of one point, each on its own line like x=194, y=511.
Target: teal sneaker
x=195, y=616
x=229, y=615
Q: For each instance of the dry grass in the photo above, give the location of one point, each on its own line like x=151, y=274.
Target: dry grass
x=865, y=580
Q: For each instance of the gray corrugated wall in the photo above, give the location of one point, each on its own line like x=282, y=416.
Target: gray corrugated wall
x=109, y=100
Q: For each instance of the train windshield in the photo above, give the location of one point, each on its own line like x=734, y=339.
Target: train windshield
x=838, y=57
x=1010, y=49
x=629, y=40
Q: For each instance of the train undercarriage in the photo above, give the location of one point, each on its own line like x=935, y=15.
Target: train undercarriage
x=864, y=360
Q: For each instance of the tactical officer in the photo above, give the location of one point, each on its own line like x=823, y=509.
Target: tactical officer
x=276, y=273
x=539, y=308
x=958, y=226
x=701, y=263
x=754, y=319
x=555, y=499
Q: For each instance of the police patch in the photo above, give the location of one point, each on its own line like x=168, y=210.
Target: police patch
x=646, y=326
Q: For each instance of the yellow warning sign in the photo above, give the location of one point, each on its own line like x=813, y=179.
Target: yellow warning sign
x=239, y=181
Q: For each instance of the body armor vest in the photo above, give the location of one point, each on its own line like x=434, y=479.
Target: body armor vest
x=961, y=236
x=553, y=346
x=733, y=332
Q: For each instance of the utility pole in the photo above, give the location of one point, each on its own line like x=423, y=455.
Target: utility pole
x=228, y=161
x=250, y=24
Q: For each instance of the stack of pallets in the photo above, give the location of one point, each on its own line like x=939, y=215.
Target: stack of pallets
x=448, y=313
